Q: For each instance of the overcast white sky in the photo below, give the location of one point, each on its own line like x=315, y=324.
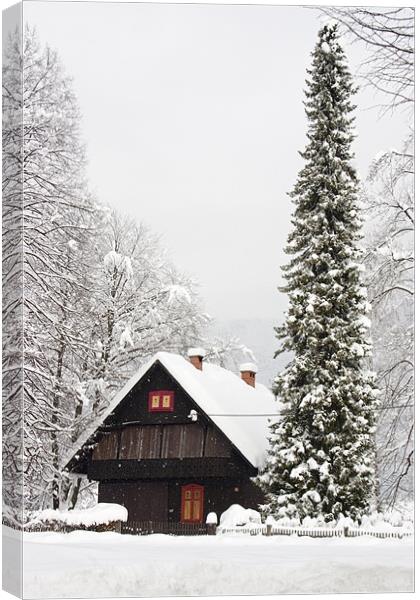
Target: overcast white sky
x=193, y=120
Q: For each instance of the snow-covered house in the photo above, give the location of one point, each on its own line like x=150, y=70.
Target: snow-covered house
x=183, y=438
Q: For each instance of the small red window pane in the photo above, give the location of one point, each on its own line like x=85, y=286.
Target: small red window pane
x=161, y=401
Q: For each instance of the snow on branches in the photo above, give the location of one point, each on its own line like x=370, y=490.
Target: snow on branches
x=321, y=459
x=100, y=295
x=389, y=260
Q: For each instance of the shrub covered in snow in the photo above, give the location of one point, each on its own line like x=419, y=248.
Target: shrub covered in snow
x=399, y=519
x=99, y=515
x=390, y=519
x=238, y=516
x=395, y=520
x=283, y=521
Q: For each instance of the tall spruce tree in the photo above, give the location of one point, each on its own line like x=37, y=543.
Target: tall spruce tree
x=321, y=458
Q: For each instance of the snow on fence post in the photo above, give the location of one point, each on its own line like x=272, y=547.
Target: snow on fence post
x=269, y=529
x=346, y=530
x=117, y=526
x=211, y=523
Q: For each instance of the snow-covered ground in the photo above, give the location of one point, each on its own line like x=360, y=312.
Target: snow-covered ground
x=88, y=564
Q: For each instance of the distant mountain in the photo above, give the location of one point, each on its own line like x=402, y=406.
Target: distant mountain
x=259, y=336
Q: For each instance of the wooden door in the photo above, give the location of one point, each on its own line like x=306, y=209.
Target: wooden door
x=192, y=500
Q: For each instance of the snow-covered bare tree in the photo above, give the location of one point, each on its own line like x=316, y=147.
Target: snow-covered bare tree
x=138, y=304
x=89, y=294
x=390, y=277
x=321, y=459
x=44, y=155
x=228, y=352
x=388, y=35
x=12, y=287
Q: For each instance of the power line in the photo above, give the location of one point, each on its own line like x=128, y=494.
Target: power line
x=287, y=412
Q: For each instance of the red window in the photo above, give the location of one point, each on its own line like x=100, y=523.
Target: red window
x=161, y=401
x=192, y=499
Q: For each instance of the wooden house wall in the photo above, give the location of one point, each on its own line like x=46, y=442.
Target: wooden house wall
x=107, y=449
x=161, y=500
x=135, y=443
x=161, y=441
x=144, y=500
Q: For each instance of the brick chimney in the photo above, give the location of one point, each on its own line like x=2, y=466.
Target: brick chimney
x=248, y=372
x=196, y=357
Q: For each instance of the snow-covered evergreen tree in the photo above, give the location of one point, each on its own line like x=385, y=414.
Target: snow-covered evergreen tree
x=321, y=459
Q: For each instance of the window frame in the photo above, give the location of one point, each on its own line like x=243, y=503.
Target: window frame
x=161, y=394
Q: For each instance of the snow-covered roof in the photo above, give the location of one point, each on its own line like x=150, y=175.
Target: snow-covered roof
x=241, y=411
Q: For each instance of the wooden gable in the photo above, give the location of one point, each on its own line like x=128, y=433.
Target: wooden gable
x=142, y=441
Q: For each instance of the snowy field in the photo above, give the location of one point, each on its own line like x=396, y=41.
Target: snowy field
x=88, y=564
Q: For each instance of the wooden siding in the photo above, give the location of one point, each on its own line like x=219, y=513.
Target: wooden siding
x=216, y=445
x=173, y=440
x=150, y=441
x=130, y=442
x=162, y=441
x=182, y=441
x=140, y=442
x=107, y=448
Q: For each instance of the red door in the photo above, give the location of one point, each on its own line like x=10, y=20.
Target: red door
x=192, y=499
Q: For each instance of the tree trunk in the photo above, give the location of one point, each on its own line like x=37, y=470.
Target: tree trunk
x=54, y=421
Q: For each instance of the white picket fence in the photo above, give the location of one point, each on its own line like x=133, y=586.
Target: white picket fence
x=269, y=530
